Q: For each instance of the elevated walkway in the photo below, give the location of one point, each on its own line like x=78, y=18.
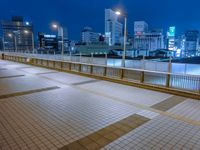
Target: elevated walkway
x=42, y=108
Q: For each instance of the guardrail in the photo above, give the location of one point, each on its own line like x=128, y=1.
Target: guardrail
x=179, y=84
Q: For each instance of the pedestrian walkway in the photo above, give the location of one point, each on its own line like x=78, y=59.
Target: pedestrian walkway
x=45, y=109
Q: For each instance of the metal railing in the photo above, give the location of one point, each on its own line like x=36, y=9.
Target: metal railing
x=179, y=82
x=176, y=68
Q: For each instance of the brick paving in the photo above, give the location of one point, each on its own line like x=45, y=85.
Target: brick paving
x=44, y=109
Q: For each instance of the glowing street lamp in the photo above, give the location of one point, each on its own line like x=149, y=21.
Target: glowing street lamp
x=125, y=34
x=118, y=13
x=56, y=26
x=32, y=36
x=11, y=35
x=26, y=31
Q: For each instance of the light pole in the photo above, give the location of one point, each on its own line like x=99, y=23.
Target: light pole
x=15, y=40
x=3, y=44
x=56, y=26
x=125, y=36
x=32, y=36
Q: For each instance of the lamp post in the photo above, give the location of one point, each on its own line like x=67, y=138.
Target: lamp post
x=125, y=36
x=32, y=36
x=11, y=35
x=56, y=26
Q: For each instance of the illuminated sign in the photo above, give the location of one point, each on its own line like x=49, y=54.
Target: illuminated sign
x=171, y=32
x=49, y=36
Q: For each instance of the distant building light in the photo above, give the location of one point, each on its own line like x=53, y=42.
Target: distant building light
x=49, y=36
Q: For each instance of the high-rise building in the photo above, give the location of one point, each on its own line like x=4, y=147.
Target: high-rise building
x=171, y=38
x=113, y=28
x=88, y=36
x=147, y=40
x=1, y=43
x=63, y=31
x=140, y=27
x=47, y=42
x=17, y=34
x=191, y=43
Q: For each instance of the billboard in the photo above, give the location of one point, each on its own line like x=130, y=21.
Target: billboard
x=171, y=32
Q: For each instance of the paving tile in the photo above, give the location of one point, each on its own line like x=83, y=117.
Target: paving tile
x=10, y=73
x=159, y=133
x=169, y=103
x=57, y=116
x=189, y=108
x=129, y=94
x=13, y=85
x=84, y=116
x=108, y=134
x=68, y=78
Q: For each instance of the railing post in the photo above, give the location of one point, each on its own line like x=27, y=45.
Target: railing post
x=106, y=59
x=3, y=55
x=91, y=69
x=70, y=56
x=169, y=73
x=168, y=80
x=79, y=68
x=121, y=74
x=61, y=65
x=92, y=56
x=105, y=71
x=80, y=57
x=142, y=77
x=70, y=66
x=54, y=64
x=47, y=62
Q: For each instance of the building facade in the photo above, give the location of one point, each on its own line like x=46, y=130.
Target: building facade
x=113, y=28
x=147, y=40
x=191, y=43
x=140, y=27
x=1, y=44
x=171, y=38
x=47, y=42
x=88, y=36
x=17, y=34
x=63, y=31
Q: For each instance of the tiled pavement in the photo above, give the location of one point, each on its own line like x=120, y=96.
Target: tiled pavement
x=46, y=109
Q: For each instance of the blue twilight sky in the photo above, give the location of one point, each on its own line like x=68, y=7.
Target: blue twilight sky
x=75, y=14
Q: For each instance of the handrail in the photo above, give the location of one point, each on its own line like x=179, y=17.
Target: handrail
x=184, y=85
x=124, y=68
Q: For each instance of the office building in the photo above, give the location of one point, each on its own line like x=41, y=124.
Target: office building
x=140, y=27
x=113, y=28
x=191, y=43
x=63, y=31
x=47, y=42
x=1, y=43
x=147, y=40
x=17, y=34
x=88, y=36
x=171, y=38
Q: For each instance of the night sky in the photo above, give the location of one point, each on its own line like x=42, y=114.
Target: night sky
x=75, y=14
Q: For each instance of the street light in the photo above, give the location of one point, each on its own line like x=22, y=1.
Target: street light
x=56, y=26
x=15, y=39
x=32, y=36
x=125, y=34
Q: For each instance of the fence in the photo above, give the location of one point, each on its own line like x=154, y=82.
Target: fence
x=188, y=85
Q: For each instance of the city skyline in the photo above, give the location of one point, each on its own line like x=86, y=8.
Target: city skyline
x=76, y=14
